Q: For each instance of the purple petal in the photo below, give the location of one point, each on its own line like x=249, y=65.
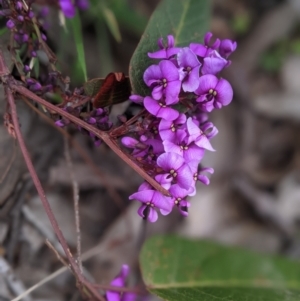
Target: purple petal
x=184, y=176
x=177, y=191
x=168, y=161
x=172, y=147
x=152, y=74
x=193, y=130
x=67, y=8
x=207, y=38
x=145, y=186
x=160, y=54
x=203, y=142
x=199, y=49
x=164, y=180
x=206, y=82
x=172, y=91
x=183, y=207
x=144, y=196
x=172, y=51
x=168, y=70
x=136, y=98
x=191, y=82
x=152, y=216
x=227, y=47
x=157, y=92
x=171, y=41
x=213, y=65
x=187, y=58
x=225, y=92
x=160, y=201
x=129, y=142
x=158, y=110
x=193, y=153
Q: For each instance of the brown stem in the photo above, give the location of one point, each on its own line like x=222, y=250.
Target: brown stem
x=100, y=134
x=41, y=192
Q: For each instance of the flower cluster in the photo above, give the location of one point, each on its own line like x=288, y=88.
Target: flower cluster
x=98, y=118
x=171, y=141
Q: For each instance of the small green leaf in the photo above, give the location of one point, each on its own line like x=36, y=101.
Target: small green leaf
x=187, y=20
x=76, y=25
x=179, y=269
x=92, y=86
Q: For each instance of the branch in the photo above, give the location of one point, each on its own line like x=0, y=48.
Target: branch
x=100, y=134
x=73, y=265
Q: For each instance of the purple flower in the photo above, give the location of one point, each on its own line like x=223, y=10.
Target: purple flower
x=150, y=200
x=213, y=92
x=176, y=169
x=203, y=178
x=200, y=49
x=67, y=8
x=227, y=47
x=168, y=129
x=178, y=197
x=189, y=151
x=164, y=79
x=160, y=109
x=119, y=281
x=213, y=63
x=136, y=98
x=165, y=52
x=189, y=69
x=197, y=136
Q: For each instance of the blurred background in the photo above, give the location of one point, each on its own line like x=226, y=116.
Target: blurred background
x=253, y=200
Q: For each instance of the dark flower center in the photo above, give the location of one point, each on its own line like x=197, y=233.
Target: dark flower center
x=164, y=82
x=162, y=105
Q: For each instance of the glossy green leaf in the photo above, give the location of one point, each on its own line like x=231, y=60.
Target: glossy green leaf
x=187, y=20
x=179, y=269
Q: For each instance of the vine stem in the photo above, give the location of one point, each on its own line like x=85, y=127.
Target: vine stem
x=73, y=265
x=100, y=134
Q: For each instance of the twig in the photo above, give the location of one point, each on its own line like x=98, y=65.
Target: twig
x=84, y=155
x=75, y=200
x=43, y=198
x=100, y=134
x=55, y=251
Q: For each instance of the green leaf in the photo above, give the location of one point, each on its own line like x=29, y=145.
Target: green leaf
x=187, y=20
x=76, y=25
x=179, y=269
x=92, y=86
